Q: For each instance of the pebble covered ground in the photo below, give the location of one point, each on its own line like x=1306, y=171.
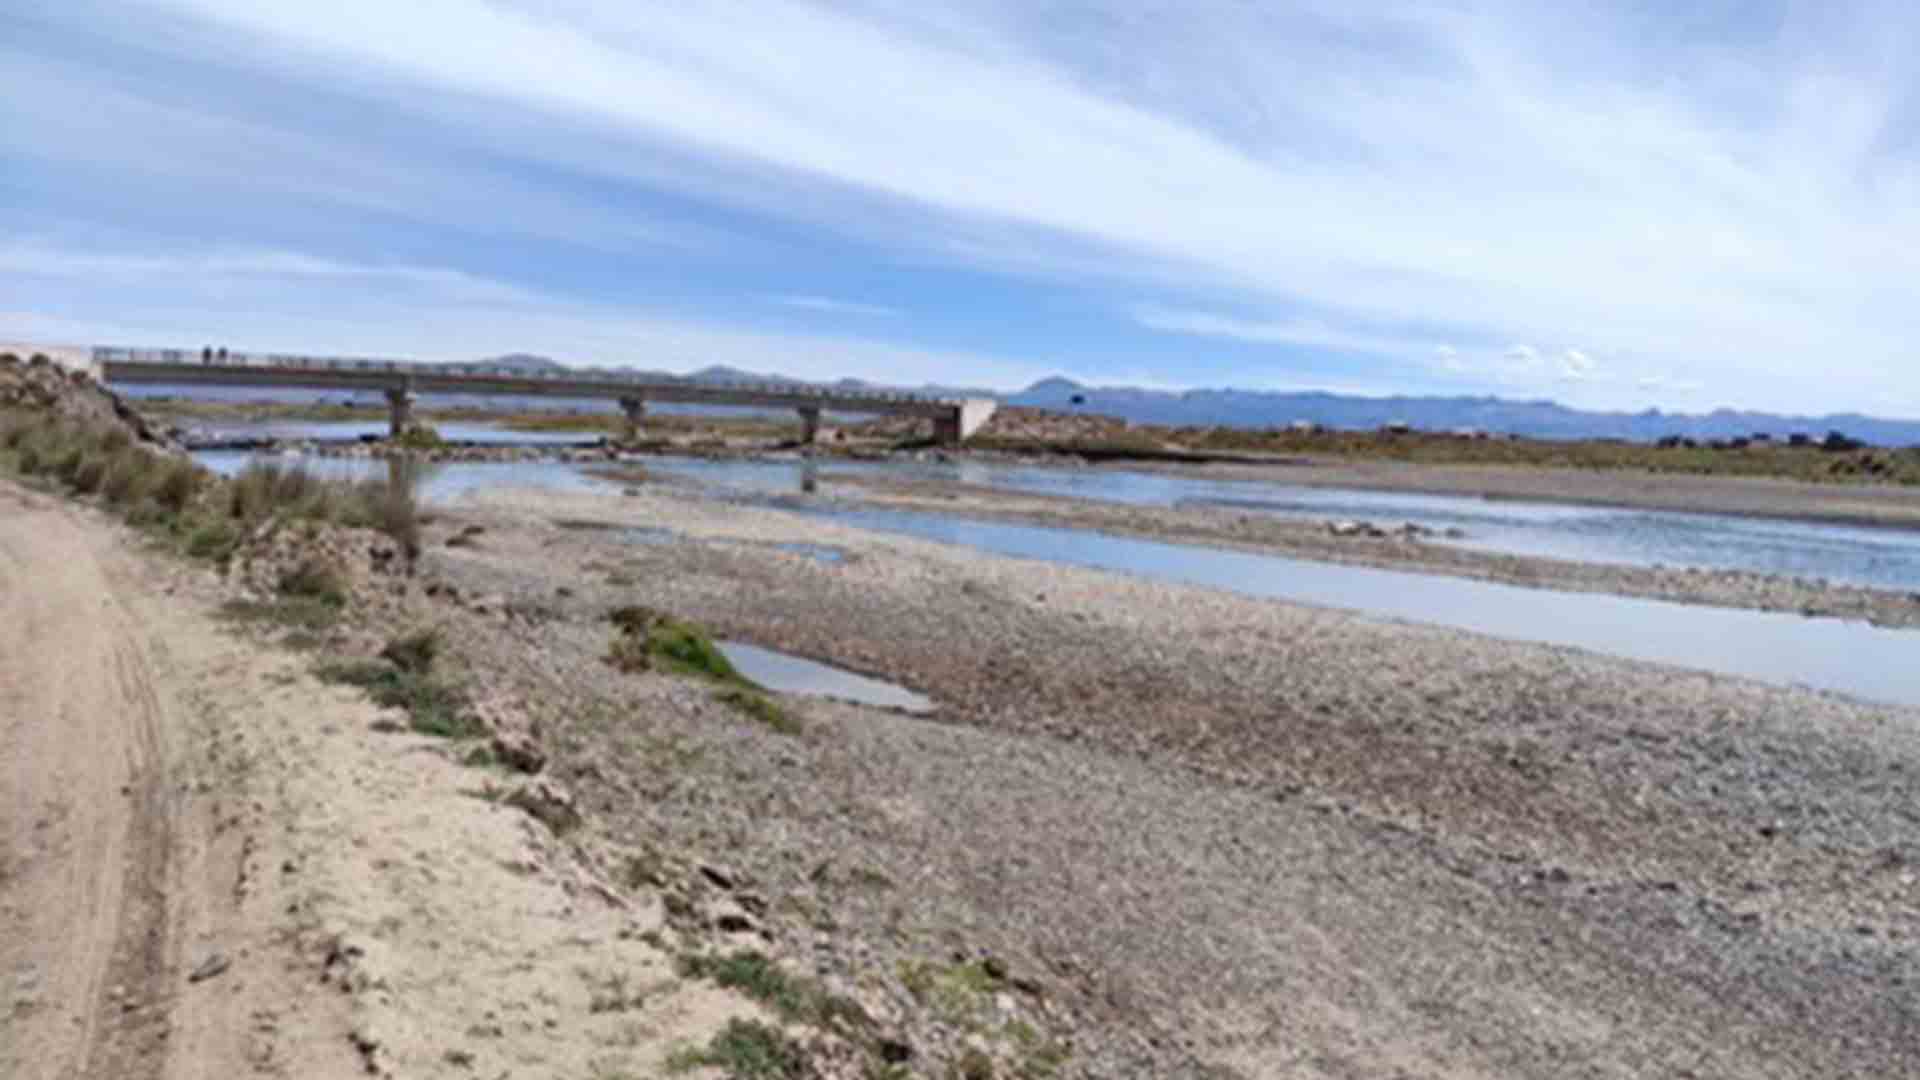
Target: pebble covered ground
x=1199, y=834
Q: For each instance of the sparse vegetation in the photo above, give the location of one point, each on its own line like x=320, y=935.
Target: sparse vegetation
x=747, y=1050
x=270, y=490
x=761, y=708
x=793, y=998
x=414, y=652
x=433, y=706
x=959, y=993
x=974, y=1064
x=298, y=614
x=418, y=437
x=649, y=640
x=316, y=579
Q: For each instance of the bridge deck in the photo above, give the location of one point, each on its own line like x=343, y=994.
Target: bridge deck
x=954, y=419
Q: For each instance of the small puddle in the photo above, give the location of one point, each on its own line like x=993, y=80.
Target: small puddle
x=817, y=552
x=792, y=675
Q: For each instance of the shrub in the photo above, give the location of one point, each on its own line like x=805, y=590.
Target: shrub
x=179, y=481
x=16, y=433
x=413, y=652
x=68, y=461
x=761, y=708
x=748, y=1050
x=216, y=540
x=267, y=488
x=88, y=475
x=792, y=997
x=392, y=503
x=432, y=707
x=418, y=437
x=316, y=579
x=650, y=639
x=301, y=614
x=130, y=475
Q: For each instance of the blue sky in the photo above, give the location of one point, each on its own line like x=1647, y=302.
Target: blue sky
x=1616, y=206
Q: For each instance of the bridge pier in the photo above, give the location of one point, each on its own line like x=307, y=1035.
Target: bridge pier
x=635, y=410
x=399, y=411
x=809, y=424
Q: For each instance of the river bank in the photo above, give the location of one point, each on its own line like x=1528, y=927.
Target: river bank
x=1372, y=842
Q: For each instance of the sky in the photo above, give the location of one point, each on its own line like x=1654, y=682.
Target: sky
x=1618, y=206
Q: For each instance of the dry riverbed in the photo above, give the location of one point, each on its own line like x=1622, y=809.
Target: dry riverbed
x=1163, y=830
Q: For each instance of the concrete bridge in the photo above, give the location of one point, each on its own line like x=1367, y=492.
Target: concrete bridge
x=954, y=419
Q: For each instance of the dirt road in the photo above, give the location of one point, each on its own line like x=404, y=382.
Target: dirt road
x=122, y=852
x=212, y=865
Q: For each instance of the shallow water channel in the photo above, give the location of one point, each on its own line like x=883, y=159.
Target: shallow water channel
x=1827, y=654
x=1877, y=558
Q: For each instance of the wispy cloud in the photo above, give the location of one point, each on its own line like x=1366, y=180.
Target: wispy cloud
x=186, y=299
x=1306, y=333
x=831, y=306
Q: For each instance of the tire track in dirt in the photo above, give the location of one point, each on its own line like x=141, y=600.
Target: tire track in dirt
x=85, y=817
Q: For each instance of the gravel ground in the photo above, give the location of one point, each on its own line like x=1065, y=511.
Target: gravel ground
x=1312, y=540
x=1226, y=836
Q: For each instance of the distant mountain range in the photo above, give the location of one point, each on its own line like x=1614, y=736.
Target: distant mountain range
x=1255, y=408
x=1536, y=419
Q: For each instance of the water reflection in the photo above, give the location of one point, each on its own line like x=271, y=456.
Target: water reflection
x=442, y=481
x=346, y=431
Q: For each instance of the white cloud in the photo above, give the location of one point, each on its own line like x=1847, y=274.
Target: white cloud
x=1575, y=364
x=1306, y=333
x=26, y=259
x=832, y=306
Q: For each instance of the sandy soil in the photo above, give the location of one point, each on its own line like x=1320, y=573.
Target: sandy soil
x=212, y=865
x=1236, y=837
